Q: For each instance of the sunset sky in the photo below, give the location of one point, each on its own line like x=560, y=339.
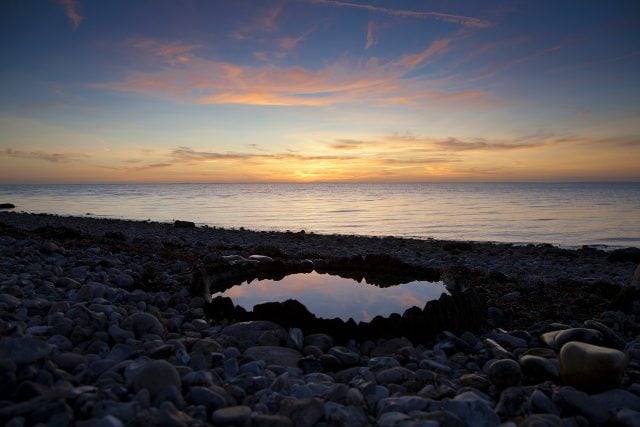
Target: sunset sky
x=319, y=90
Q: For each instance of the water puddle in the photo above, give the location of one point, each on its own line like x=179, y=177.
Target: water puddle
x=330, y=296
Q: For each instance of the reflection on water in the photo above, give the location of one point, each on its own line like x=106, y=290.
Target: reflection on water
x=329, y=296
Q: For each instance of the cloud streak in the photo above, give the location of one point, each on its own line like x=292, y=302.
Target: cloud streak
x=404, y=13
x=371, y=37
x=43, y=155
x=198, y=80
x=71, y=9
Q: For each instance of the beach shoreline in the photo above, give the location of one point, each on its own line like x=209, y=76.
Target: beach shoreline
x=101, y=317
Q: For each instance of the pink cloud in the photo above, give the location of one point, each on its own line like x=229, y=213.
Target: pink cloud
x=265, y=22
x=71, y=9
x=193, y=79
x=371, y=38
x=413, y=60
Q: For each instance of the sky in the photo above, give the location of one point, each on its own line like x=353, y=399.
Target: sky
x=319, y=91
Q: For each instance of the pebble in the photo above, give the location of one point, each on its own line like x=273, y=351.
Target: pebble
x=23, y=350
x=155, y=376
x=504, y=373
x=79, y=344
x=231, y=416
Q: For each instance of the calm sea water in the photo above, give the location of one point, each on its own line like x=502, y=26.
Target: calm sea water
x=568, y=214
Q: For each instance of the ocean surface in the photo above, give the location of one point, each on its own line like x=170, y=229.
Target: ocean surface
x=565, y=214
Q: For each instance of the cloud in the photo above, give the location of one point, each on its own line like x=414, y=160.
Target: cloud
x=71, y=9
x=404, y=13
x=265, y=22
x=43, y=155
x=173, y=52
x=371, y=37
x=454, y=144
x=206, y=81
x=411, y=61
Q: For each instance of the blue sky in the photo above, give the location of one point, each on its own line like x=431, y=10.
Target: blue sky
x=319, y=90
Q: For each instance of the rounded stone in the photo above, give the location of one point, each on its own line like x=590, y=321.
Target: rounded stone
x=273, y=355
x=346, y=356
x=233, y=415
x=591, y=367
x=557, y=339
x=504, y=373
x=396, y=375
x=155, y=376
x=538, y=368
x=143, y=323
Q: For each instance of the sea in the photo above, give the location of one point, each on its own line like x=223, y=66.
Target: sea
x=599, y=214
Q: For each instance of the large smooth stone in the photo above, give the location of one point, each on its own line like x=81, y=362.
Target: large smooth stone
x=273, y=355
x=590, y=367
x=557, y=339
x=155, y=376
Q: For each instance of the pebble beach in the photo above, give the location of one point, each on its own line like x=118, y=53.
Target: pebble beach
x=100, y=325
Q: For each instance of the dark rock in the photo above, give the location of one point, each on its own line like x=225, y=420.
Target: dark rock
x=540, y=403
x=397, y=375
x=251, y=331
x=574, y=402
x=172, y=417
x=184, y=224
x=538, y=369
x=541, y=420
x=263, y=420
x=23, y=350
x=303, y=412
x=625, y=255
x=340, y=415
x=155, y=376
x=513, y=403
x=7, y=206
x=273, y=355
x=143, y=323
x=346, y=356
x=504, y=373
x=323, y=341
x=207, y=397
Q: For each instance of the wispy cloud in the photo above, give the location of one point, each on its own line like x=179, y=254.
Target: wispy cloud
x=291, y=42
x=371, y=36
x=44, y=155
x=207, y=81
x=71, y=9
x=171, y=52
x=265, y=22
x=404, y=13
x=413, y=60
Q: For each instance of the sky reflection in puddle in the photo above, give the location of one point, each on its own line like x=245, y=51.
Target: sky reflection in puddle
x=328, y=296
